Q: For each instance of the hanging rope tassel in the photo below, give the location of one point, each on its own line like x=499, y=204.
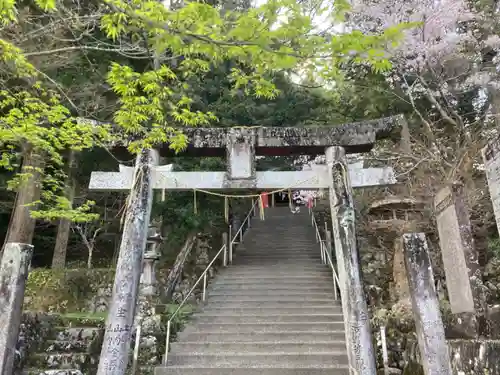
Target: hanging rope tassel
x=226, y=209
x=163, y=195
x=290, y=198
x=261, y=206
x=195, y=203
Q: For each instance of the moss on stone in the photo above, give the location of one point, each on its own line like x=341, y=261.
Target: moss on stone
x=60, y=291
x=78, y=319
x=413, y=368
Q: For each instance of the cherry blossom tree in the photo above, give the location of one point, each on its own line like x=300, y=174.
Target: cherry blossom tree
x=445, y=67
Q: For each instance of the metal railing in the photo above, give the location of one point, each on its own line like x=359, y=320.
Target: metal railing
x=226, y=249
x=326, y=257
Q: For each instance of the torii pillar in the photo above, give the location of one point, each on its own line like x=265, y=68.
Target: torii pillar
x=240, y=147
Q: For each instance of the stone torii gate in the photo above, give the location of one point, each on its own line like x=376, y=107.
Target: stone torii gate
x=241, y=145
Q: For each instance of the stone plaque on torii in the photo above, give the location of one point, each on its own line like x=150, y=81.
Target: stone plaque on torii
x=241, y=145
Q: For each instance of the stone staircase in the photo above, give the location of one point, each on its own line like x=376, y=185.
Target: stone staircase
x=270, y=313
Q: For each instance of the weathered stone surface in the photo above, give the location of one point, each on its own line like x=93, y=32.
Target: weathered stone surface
x=54, y=372
x=401, y=287
x=54, y=342
x=428, y=322
x=397, y=215
x=77, y=289
x=240, y=148
x=119, y=323
x=356, y=316
x=468, y=357
x=457, y=247
x=491, y=157
x=14, y=269
x=354, y=137
x=268, y=180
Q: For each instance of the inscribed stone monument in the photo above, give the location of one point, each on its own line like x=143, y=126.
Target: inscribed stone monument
x=491, y=157
x=14, y=268
x=455, y=239
x=425, y=305
x=401, y=287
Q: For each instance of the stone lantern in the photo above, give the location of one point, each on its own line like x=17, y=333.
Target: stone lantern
x=391, y=218
x=151, y=257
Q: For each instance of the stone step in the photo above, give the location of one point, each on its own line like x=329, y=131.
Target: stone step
x=62, y=361
x=310, y=277
x=339, y=370
x=323, y=360
x=265, y=327
x=273, y=280
x=65, y=346
x=276, y=243
x=266, y=319
x=272, y=292
x=271, y=253
x=280, y=224
x=36, y=371
x=267, y=265
x=269, y=300
x=290, y=233
x=289, y=265
x=271, y=309
x=272, y=289
x=258, y=347
x=302, y=260
x=269, y=246
x=262, y=288
x=290, y=270
x=298, y=257
x=269, y=336
x=74, y=333
x=265, y=275
x=281, y=242
x=291, y=260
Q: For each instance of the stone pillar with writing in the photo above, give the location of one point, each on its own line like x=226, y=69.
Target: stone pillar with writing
x=401, y=287
x=425, y=305
x=356, y=315
x=491, y=157
x=120, y=320
x=14, y=266
x=460, y=259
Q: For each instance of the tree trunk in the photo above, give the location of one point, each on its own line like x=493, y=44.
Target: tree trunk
x=59, y=257
x=89, y=259
x=22, y=225
x=176, y=271
x=63, y=230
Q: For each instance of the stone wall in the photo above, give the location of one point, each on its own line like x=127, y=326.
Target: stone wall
x=468, y=357
x=66, y=310
x=73, y=290
x=52, y=341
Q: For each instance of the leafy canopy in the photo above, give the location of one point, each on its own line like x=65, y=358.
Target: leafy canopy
x=153, y=103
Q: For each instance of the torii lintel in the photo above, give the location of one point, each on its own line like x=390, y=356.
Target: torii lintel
x=357, y=137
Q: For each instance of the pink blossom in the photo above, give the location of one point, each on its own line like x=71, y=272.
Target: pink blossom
x=435, y=39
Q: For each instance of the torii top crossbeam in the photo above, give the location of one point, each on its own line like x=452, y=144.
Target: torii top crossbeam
x=241, y=145
x=355, y=137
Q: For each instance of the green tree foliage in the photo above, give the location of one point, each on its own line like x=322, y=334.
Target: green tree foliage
x=152, y=54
